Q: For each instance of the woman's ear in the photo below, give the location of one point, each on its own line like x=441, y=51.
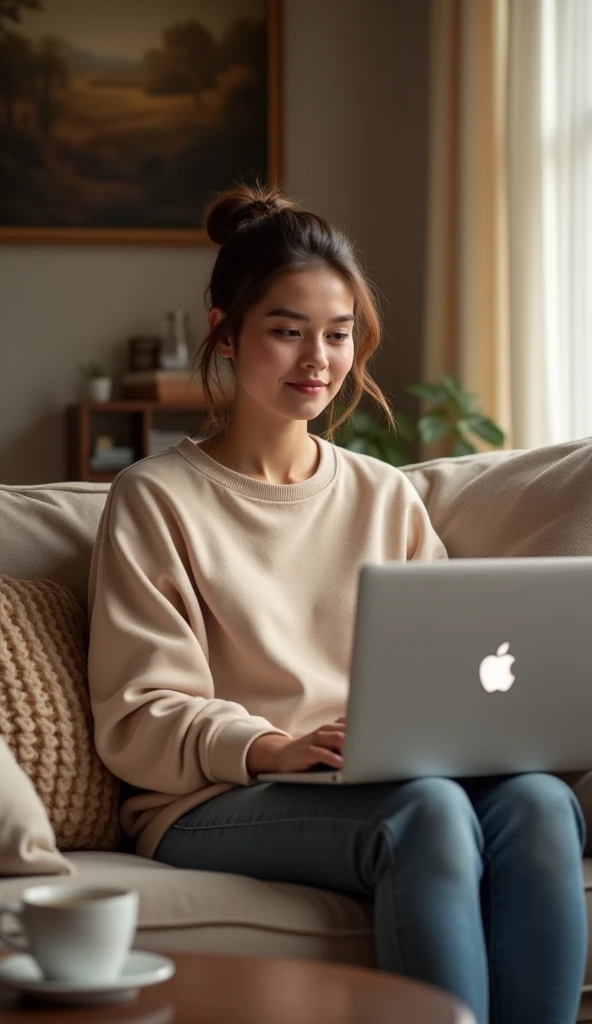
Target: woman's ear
x=215, y=315
x=224, y=347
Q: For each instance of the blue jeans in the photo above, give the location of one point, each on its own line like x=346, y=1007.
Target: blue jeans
x=476, y=885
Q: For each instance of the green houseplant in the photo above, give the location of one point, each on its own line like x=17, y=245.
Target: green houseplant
x=452, y=414
x=93, y=370
x=98, y=382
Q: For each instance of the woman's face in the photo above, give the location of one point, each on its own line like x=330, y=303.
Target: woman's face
x=296, y=346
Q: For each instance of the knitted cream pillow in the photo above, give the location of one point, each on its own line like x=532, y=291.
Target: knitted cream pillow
x=45, y=715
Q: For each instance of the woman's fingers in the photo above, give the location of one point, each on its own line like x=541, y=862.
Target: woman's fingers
x=330, y=737
x=326, y=756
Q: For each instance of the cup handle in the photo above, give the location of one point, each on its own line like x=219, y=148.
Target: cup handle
x=13, y=910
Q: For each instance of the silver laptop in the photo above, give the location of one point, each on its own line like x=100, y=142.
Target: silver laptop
x=468, y=667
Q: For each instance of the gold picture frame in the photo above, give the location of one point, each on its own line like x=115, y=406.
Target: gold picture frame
x=32, y=111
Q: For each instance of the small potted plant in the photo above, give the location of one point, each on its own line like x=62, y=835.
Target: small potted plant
x=99, y=383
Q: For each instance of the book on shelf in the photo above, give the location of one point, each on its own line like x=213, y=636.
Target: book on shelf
x=174, y=386
x=104, y=460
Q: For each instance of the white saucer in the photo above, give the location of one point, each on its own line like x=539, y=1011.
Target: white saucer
x=22, y=973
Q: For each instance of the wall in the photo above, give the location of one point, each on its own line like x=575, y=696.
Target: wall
x=355, y=76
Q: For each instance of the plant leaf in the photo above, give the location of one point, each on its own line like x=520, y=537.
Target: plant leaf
x=374, y=450
x=362, y=421
x=344, y=435
x=487, y=429
x=397, y=457
x=443, y=409
x=463, y=429
x=430, y=392
x=384, y=432
x=452, y=386
x=433, y=428
x=462, y=448
x=468, y=404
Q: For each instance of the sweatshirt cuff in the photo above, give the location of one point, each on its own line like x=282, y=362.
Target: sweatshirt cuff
x=228, y=757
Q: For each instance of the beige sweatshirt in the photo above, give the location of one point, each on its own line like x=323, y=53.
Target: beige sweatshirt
x=222, y=608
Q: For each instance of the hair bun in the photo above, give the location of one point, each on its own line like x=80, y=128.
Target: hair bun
x=242, y=204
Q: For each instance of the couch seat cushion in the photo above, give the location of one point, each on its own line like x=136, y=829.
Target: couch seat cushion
x=210, y=911
x=171, y=897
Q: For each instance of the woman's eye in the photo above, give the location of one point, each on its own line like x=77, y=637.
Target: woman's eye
x=293, y=332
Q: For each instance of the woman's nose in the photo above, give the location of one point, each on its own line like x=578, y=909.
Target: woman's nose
x=315, y=354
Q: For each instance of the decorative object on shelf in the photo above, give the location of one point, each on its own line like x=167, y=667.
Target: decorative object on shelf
x=173, y=386
x=108, y=460
x=126, y=142
x=98, y=382
x=104, y=442
x=174, y=352
x=144, y=353
x=453, y=415
x=108, y=457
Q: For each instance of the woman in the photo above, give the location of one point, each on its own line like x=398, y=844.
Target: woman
x=222, y=592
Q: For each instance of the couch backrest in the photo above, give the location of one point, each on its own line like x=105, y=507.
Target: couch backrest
x=48, y=531
x=507, y=503
x=511, y=504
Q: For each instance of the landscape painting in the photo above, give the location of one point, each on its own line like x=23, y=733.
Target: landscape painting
x=120, y=119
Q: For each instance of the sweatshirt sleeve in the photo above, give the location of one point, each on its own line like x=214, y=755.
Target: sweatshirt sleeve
x=158, y=724
x=423, y=543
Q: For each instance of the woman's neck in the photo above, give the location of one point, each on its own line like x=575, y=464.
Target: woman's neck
x=278, y=455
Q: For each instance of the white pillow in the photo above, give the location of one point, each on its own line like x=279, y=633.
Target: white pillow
x=27, y=842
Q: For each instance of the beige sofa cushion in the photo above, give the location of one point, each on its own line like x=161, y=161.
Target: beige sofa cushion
x=511, y=504
x=222, y=912
x=27, y=843
x=45, y=715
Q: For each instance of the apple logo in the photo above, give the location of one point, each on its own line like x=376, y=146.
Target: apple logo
x=495, y=671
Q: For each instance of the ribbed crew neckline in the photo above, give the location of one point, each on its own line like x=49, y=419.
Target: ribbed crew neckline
x=324, y=475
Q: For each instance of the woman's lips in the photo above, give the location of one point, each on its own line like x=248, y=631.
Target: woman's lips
x=308, y=389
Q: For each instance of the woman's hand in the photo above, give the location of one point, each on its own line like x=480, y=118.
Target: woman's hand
x=275, y=753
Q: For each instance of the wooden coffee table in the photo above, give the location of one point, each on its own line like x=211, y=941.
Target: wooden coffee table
x=211, y=989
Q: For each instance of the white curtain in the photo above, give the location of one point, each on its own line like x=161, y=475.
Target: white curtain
x=466, y=292
x=509, y=246
x=550, y=219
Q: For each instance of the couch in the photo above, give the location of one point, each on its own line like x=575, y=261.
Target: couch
x=510, y=503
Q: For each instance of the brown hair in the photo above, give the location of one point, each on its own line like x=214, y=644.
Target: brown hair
x=261, y=234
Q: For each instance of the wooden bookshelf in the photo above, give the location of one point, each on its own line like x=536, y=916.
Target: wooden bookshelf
x=129, y=421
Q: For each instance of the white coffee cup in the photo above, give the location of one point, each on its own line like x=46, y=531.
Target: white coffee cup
x=76, y=933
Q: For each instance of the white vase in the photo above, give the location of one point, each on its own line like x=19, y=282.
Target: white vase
x=174, y=354
x=99, y=389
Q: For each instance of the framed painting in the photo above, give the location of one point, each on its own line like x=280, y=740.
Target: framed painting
x=120, y=119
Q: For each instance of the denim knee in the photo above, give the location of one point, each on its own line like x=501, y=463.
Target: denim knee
x=545, y=813
x=438, y=826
